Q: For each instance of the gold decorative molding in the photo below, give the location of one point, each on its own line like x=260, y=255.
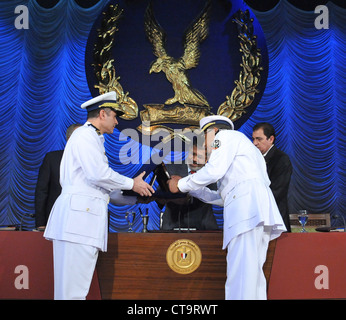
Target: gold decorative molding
x=186, y=115
x=103, y=66
x=244, y=93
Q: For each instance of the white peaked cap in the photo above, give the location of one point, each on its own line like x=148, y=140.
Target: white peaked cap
x=209, y=121
x=106, y=100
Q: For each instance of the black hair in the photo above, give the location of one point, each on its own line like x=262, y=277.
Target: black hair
x=95, y=113
x=267, y=128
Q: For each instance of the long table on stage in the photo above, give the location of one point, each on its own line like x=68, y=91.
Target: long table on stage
x=298, y=266
x=309, y=266
x=26, y=267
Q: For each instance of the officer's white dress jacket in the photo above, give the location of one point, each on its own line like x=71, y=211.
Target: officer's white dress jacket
x=239, y=169
x=80, y=214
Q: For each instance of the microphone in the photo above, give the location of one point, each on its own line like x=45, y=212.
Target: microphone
x=161, y=219
x=21, y=220
x=337, y=216
x=179, y=217
x=190, y=202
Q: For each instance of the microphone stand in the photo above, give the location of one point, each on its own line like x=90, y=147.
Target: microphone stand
x=188, y=213
x=179, y=214
x=21, y=220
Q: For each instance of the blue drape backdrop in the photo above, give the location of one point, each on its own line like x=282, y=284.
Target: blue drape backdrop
x=305, y=101
x=43, y=83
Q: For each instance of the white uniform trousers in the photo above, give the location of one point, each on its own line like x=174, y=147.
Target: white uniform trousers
x=246, y=254
x=74, y=266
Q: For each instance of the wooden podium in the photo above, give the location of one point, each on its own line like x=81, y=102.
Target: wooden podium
x=135, y=267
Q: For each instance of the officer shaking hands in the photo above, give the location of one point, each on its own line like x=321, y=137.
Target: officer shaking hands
x=251, y=216
x=78, y=222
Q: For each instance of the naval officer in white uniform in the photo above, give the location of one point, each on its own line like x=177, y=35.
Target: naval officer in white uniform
x=78, y=223
x=251, y=216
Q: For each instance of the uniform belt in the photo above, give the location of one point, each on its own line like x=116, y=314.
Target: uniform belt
x=86, y=190
x=230, y=187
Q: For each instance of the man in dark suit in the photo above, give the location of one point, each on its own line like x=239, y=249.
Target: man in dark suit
x=48, y=186
x=279, y=166
x=189, y=212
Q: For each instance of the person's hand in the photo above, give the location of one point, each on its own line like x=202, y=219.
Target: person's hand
x=141, y=187
x=173, y=184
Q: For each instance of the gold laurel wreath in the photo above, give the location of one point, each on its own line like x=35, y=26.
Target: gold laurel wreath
x=244, y=93
x=103, y=66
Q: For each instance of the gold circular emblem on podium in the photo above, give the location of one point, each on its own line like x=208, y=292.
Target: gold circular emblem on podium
x=183, y=256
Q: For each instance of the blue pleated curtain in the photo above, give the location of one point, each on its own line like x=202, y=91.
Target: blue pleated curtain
x=305, y=101
x=43, y=83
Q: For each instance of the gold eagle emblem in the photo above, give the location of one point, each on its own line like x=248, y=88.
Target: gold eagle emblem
x=195, y=105
x=176, y=69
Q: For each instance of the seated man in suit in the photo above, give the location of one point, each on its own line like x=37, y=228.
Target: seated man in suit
x=279, y=166
x=190, y=213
